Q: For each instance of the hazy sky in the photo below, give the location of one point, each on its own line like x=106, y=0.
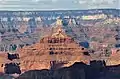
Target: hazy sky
x=57, y=4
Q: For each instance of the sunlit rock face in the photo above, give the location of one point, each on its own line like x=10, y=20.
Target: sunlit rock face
x=3, y=59
x=114, y=59
x=55, y=48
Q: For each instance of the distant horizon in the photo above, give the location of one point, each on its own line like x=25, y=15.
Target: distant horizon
x=60, y=9
x=24, y=5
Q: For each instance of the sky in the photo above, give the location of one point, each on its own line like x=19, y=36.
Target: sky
x=58, y=4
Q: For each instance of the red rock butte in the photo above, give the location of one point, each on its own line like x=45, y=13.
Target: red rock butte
x=56, y=47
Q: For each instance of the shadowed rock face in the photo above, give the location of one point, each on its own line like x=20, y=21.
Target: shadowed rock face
x=78, y=70
x=6, y=76
x=12, y=68
x=13, y=56
x=36, y=74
